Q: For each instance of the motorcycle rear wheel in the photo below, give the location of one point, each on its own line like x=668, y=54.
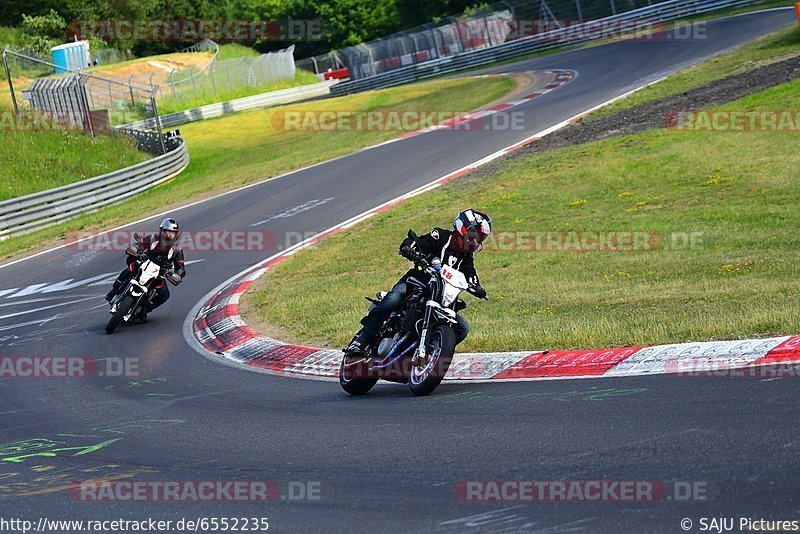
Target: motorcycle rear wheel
x=122, y=310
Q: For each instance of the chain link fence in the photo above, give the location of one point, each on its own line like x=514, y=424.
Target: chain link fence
x=230, y=75
x=206, y=76
x=76, y=100
x=321, y=64
x=97, y=101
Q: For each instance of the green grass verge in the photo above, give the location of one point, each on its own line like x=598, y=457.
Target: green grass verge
x=236, y=50
x=168, y=104
x=244, y=147
x=9, y=35
x=773, y=47
x=38, y=160
x=738, y=191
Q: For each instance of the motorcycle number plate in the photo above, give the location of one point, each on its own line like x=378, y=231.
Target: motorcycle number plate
x=454, y=277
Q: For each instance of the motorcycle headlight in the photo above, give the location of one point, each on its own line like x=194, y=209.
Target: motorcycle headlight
x=449, y=295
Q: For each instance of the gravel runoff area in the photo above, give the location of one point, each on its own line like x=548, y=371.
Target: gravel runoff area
x=655, y=114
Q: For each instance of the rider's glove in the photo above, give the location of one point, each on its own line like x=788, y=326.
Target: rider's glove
x=479, y=292
x=409, y=252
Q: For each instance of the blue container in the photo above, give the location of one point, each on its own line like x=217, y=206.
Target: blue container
x=71, y=56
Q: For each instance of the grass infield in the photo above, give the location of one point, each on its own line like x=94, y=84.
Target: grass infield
x=711, y=250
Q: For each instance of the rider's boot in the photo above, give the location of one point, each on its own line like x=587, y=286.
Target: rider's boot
x=114, y=290
x=360, y=342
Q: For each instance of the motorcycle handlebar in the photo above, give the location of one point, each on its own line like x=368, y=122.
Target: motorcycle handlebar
x=173, y=278
x=431, y=267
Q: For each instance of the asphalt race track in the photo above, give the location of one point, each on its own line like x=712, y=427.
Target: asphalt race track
x=388, y=461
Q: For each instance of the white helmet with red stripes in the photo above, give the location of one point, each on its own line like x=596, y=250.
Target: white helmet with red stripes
x=471, y=228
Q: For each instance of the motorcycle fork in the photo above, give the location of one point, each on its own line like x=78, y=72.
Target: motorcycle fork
x=119, y=296
x=421, y=354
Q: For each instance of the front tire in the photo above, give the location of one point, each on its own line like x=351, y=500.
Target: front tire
x=353, y=375
x=441, y=347
x=122, y=310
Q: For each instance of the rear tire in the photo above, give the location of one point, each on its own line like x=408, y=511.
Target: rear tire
x=441, y=347
x=122, y=310
x=353, y=375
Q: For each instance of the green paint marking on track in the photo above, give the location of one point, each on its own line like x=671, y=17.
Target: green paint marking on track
x=82, y=449
x=18, y=451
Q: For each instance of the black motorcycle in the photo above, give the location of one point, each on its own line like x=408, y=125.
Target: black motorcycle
x=416, y=343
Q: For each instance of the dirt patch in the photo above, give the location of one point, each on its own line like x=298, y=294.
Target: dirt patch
x=527, y=83
x=654, y=114
x=158, y=66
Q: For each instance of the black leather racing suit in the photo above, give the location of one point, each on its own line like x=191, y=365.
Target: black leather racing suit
x=169, y=257
x=435, y=244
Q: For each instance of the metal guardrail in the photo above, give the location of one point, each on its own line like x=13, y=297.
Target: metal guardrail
x=211, y=111
x=572, y=35
x=28, y=213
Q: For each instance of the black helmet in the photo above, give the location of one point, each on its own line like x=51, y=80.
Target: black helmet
x=471, y=228
x=169, y=231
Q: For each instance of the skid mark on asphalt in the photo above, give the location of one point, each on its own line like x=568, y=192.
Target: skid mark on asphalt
x=31, y=301
x=11, y=340
x=291, y=212
x=592, y=394
x=66, y=285
x=34, y=310
x=510, y=520
x=69, y=284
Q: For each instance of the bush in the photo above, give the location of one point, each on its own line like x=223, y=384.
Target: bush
x=43, y=32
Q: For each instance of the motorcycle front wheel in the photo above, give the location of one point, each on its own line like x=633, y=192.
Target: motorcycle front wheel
x=353, y=375
x=423, y=379
x=122, y=310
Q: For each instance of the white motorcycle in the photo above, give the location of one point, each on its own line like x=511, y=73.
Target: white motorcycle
x=131, y=302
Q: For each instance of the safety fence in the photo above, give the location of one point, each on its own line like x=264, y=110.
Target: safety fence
x=220, y=76
x=33, y=212
x=410, y=66
x=82, y=99
x=99, y=101
x=321, y=64
x=211, y=111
